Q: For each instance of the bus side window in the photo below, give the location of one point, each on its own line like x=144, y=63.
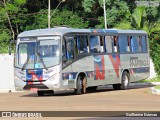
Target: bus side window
x=123, y=44
x=95, y=46
x=114, y=44
x=128, y=41
x=144, y=44
x=136, y=44
x=108, y=44
x=69, y=49
x=102, y=44
x=81, y=44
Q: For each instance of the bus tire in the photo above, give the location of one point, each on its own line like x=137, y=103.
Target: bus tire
x=81, y=85
x=125, y=80
x=40, y=93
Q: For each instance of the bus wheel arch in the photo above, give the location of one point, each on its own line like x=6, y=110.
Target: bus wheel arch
x=125, y=80
x=81, y=84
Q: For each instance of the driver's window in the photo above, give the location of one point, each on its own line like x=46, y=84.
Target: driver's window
x=68, y=50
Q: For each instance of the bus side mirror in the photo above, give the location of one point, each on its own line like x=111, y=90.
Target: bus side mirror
x=9, y=47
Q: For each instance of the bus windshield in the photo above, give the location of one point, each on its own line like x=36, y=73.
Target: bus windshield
x=42, y=52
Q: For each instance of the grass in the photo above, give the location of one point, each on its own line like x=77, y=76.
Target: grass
x=157, y=79
x=157, y=87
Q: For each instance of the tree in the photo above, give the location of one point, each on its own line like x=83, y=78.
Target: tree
x=116, y=10
x=58, y=18
x=10, y=9
x=139, y=21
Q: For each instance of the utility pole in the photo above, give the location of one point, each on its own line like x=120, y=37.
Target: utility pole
x=104, y=7
x=49, y=13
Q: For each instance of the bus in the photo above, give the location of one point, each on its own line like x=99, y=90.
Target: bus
x=63, y=58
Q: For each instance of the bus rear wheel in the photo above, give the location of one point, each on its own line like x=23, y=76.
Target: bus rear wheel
x=124, y=82
x=81, y=85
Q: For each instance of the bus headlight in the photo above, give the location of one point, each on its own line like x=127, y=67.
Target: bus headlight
x=16, y=78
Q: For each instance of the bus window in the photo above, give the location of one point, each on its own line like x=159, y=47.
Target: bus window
x=144, y=44
x=22, y=51
x=114, y=44
x=108, y=44
x=136, y=44
x=82, y=44
x=128, y=41
x=102, y=43
x=95, y=46
x=123, y=44
x=69, y=49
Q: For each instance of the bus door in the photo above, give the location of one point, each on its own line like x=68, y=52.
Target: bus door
x=67, y=60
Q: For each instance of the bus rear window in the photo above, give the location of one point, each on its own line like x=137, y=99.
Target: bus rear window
x=144, y=44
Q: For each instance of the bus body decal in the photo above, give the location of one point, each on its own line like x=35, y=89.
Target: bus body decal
x=69, y=76
x=34, y=75
x=139, y=70
x=99, y=67
x=115, y=59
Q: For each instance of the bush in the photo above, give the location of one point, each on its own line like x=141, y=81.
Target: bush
x=155, y=53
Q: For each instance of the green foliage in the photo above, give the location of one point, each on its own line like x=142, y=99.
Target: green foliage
x=154, y=53
x=139, y=21
x=156, y=79
x=157, y=87
x=10, y=20
x=4, y=40
x=116, y=10
x=58, y=18
x=87, y=4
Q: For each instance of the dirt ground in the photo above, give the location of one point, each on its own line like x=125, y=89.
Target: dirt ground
x=103, y=99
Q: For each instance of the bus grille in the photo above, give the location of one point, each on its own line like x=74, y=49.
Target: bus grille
x=39, y=86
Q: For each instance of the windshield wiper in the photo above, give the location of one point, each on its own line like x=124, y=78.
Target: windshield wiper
x=25, y=64
x=41, y=59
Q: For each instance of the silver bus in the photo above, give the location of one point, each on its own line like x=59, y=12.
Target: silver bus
x=61, y=58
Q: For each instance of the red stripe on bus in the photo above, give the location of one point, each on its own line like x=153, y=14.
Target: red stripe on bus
x=116, y=63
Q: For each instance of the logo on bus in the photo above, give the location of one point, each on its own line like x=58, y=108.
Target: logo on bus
x=32, y=76
x=99, y=67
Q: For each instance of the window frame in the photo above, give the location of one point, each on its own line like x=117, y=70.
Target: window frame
x=75, y=44
x=104, y=51
x=128, y=43
x=146, y=43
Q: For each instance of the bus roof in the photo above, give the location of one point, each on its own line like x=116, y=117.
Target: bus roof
x=64, y=30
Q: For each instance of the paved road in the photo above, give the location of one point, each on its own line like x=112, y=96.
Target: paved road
x=103, y=99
